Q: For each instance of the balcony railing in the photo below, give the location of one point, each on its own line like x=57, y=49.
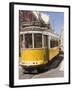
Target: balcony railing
x=31, y=23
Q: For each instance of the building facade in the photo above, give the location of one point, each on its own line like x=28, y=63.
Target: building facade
x=62, y=39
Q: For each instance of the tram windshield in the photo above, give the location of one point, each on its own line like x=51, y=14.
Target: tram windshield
x=37, y=40
x=31, y=41
x=28, y=40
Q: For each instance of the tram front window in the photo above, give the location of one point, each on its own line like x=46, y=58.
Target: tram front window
x=37, y=40
x=28, y=40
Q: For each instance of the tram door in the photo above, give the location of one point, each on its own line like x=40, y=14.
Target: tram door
x=46, y=56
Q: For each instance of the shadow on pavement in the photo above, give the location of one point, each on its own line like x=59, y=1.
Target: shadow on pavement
x=55, y=62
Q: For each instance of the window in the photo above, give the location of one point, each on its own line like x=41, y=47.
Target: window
x=57, y=43
x=53, y=43
x=28, y=41
x=37, y=40
x=45, y=41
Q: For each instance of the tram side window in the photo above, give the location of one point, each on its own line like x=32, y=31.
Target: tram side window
x=53, y=43
x=38, y=40
x=28, y=40
x=45, y=41
x=56, y=43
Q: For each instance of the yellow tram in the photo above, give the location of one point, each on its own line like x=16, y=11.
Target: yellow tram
x=38, y=47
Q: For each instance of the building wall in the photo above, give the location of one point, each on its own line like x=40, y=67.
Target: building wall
x=26, y=16
x=62, y=39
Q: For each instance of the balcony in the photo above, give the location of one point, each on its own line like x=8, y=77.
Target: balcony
x=32, y=23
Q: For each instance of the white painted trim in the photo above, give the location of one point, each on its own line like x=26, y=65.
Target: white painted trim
x=43, y=32
x=32, y=40
x=30, y=32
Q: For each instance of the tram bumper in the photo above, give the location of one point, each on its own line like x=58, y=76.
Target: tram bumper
x=33, y=66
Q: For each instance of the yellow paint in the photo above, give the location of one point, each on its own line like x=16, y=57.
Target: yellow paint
x=53, y=52
x=33, y=55
x=37, y=55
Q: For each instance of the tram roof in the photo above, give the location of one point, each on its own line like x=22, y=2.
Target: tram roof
x=34, y=28
x=37, y=28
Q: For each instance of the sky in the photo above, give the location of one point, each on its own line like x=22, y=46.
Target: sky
x=57, y=20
